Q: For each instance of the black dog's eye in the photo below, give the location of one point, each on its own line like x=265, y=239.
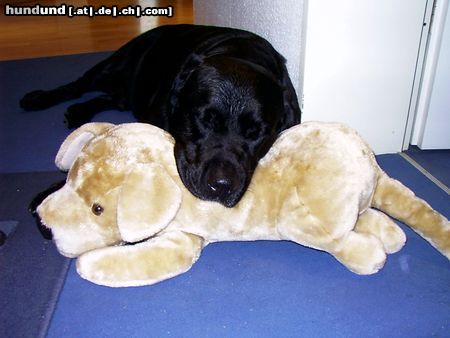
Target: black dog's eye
x=252, y=133
x=97, y=209
x=191, y=153
x=250, y=128
x=212, y=120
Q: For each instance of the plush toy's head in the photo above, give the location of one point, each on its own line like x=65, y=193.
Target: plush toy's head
x=111, y=180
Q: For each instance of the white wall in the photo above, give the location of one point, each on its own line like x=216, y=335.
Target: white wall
x=279, y=21
x=360, y=66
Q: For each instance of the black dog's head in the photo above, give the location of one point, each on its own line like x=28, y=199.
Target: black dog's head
x=228, y=114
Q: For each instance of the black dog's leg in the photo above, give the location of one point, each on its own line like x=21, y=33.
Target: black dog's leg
x=43, y=99
x=37, y=200
x=80, y=113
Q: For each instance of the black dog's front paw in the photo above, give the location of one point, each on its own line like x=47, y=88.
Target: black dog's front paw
x=36, y=100
x=76, y=115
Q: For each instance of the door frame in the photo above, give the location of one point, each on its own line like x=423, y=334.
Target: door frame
x=429, y=63
x=416, y=91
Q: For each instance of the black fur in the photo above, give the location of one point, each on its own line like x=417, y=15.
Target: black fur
x=224, y=94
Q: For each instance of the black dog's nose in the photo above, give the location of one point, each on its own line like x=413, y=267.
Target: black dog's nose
x=222, y=180
x=220, y=185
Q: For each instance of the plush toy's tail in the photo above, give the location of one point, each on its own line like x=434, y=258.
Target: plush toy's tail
x=399, y=202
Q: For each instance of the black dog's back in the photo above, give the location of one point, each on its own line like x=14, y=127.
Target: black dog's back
x=141, y=74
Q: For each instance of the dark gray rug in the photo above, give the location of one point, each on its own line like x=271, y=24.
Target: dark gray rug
x=31, y=270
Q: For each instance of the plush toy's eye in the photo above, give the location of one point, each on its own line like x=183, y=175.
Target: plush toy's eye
x=97, y=209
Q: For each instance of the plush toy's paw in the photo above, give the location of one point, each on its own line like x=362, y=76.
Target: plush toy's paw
x=361, y=253
x=384, y=228
x=36, y=100
x=145, y=263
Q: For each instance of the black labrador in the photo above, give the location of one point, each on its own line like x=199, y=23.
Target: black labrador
x=224, y=94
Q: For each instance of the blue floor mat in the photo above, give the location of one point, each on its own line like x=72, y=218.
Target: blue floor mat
x=276, y=289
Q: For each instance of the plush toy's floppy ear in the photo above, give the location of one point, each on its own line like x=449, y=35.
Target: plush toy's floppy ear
x=72, y=145
x=148, y=201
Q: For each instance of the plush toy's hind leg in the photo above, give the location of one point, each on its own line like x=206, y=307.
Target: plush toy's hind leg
x=398, y=201
x=364, y=250
x=157, y=259
x=361, y=253
x=378, y=224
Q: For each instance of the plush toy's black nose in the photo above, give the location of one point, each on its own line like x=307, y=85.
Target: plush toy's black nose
x=2, y=238
x=37, y=200
x=45, y=232
x=222, y=181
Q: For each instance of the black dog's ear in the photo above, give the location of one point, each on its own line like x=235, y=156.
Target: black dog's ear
x=183, y=75
x=292, y=112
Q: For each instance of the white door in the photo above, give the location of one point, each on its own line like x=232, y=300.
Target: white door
x=432, y=131
x=360, y=65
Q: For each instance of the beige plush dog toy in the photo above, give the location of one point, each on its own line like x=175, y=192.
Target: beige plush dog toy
x=126, y=215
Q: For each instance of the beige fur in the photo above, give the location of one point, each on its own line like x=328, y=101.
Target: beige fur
x=319, y=186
